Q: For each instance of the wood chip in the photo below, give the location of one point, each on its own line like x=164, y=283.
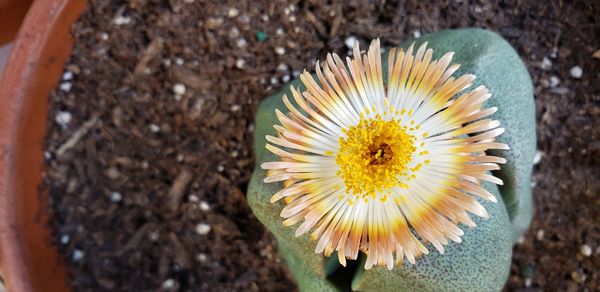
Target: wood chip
x=137, y=237
x=181, y=256
x=77, y=135
x=190, y=79
x=153, y=49
x=178, y=189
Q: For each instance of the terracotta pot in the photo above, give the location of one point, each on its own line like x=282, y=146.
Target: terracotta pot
x=28, y=262
x=12, y=13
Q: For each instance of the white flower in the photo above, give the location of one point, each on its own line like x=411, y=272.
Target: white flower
x=384, y=164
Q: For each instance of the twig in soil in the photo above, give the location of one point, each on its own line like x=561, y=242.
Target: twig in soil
x=77, y=135
x=151, y=51
x=337, y=21
x=178, y=188
x=136, y=238
x=181, y=256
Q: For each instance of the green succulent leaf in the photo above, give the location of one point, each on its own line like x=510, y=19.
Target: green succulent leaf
x=482, y=261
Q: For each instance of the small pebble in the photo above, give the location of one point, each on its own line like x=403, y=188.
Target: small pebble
x=576, y=72
x=47, y=155
x=280, y=50
x=220, y=168
x=179, y=89
x=104, y=36
x=179, y=61
x=417, y=34
x=521, y=239
x=121, y=20
x=193, y=198
x=167, y=62
x=204, y=206
x=65, y=239
x=240, y=63
x=77, y=255
x=586, y=250
x=235, y=108
x=68, y=75
x=264, y=17
x=274, y=80
x=202, y=229
x=233, y=12
x=546, y=64
x=279, y=31
x=154, y=128
x=296, y=73
x=554, y=81
x=116, y=197
x=66, y=86
x=168, y=284
x=285, y=78
x=292, y=18
x=527, y=282
x=241, y=42
x=538, y=157
x=349, y=42
x=63, y=118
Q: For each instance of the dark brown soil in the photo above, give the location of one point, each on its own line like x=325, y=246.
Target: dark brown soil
x=130, y=194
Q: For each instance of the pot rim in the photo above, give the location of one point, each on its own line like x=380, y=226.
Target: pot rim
x=27, y=261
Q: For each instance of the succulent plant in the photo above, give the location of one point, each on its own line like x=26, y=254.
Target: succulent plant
x=383, y=159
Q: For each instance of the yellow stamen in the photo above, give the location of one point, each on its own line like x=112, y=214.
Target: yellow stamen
x=374, y=156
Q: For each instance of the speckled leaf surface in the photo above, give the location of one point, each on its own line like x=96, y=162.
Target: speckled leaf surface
x=481, y=262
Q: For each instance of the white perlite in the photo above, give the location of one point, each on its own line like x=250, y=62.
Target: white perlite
x=546, y=64
x=554, y=81
x=63, y=118
x=349, y=42
x=538, y=157
x=202, y=229
x=576, y=72
x=233, y=12
x=240, y=63
x=121, y=20
x=585, y=250
x=204, y=206
x=77, y=255
x=68, y=75
x=168, y=284
x=116, y=197
x=66, y=86
x=65, y=239
x=280, y=50
x=179, y=89
x=201, y=257
x=154, y=128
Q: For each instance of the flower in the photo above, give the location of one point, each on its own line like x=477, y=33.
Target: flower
x=384, y=165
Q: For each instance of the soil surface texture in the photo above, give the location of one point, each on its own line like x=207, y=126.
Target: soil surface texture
x=148, y=151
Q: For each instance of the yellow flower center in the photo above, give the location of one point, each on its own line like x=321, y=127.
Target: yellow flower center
x=374, y=156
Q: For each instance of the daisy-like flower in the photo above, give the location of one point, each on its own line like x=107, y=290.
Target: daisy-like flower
x=384, y=165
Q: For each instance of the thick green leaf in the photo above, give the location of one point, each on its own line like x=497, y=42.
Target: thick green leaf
x=481, y=262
